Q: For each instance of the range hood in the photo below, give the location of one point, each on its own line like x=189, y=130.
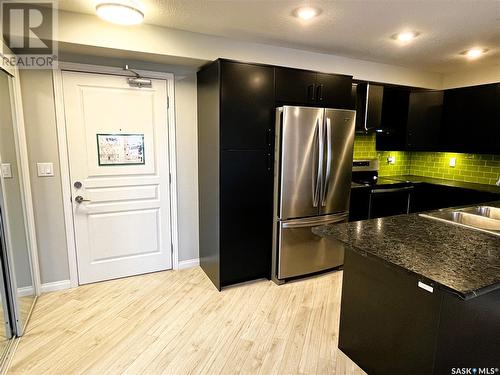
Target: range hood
x=368, y=99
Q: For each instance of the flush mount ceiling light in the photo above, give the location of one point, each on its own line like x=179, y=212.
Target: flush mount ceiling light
x=405, y=36
x=474, y=53
x=120, y=12
x=306, y=13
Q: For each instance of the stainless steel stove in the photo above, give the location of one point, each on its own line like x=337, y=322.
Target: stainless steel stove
x=387, y=196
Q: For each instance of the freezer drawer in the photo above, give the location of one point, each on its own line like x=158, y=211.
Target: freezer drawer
x=301, y=252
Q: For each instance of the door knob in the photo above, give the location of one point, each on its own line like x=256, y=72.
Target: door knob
x=79, y=199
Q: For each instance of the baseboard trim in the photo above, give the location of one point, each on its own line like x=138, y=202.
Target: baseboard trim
x=25, y=291
x=190, y=263
x=56, y=285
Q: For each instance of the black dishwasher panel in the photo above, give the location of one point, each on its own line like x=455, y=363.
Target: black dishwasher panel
x=389, y=201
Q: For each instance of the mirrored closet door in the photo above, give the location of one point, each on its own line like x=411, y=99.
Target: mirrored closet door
x=17, y=290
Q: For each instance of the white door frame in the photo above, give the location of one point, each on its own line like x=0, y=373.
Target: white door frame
x=64, y=161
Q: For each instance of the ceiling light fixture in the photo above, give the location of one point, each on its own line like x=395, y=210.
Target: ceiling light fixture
x=405, y=36
x=306, y=13
x=120, y=12
x=474, y=53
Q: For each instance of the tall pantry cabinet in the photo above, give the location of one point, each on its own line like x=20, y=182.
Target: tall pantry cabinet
x=235, y=162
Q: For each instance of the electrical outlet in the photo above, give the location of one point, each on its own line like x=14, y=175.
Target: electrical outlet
x=453, y=162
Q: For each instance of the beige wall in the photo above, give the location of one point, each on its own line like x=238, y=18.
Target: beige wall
x=187, y=165
x=471, y=77
x=41, y=137
x=39, y=112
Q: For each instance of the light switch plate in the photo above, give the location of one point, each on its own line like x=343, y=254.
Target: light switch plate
x=45, y=169
x=6, y=170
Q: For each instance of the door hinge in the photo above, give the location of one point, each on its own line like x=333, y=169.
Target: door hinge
x=171, y=247
x=168, y=101
x=169, y=178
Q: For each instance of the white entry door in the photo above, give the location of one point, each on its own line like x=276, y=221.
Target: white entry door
x=118, y=154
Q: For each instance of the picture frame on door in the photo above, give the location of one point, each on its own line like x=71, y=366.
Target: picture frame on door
x=120, y=149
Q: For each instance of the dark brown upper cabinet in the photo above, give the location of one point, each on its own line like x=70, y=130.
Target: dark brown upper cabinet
x=294, y=86
x=464, y=120
x=424, y=120
x=333, y=90
x=411, y=120
x=471, y=119
x=246, y=106
x=304, y=87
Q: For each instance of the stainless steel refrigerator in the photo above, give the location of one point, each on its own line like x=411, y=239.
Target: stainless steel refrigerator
x=314, y=148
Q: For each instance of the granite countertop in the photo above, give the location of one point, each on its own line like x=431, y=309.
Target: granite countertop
x=440, y=181
x=460, y=260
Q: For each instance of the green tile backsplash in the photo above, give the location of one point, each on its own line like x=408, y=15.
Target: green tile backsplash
x=484, y=169
x=364, y=148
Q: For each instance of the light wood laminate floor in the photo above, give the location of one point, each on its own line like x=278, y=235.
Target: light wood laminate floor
x=176, y=322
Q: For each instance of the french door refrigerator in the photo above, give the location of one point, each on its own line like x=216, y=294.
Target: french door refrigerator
x=314, y=148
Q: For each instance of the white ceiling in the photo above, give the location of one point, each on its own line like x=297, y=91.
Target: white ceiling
x=357, y=28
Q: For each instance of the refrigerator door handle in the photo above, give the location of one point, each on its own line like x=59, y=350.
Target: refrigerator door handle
x=316, y=221
x=317, y=180
x=326, y=182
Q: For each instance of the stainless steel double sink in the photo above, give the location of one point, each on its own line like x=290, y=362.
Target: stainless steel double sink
x=482, y=218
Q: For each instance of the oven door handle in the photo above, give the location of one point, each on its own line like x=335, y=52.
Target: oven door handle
x=391, y=190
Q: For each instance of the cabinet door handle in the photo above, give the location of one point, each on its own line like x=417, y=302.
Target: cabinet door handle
x=319, y=93
x=268, y=137
x=310, y=92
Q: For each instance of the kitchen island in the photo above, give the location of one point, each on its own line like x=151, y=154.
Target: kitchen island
x=419, y=296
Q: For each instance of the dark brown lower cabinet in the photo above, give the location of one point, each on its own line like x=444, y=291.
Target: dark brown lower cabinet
x=246, y=215
x=423, y=197
x=359, y=203
x=388, y=325
x=428, y=197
